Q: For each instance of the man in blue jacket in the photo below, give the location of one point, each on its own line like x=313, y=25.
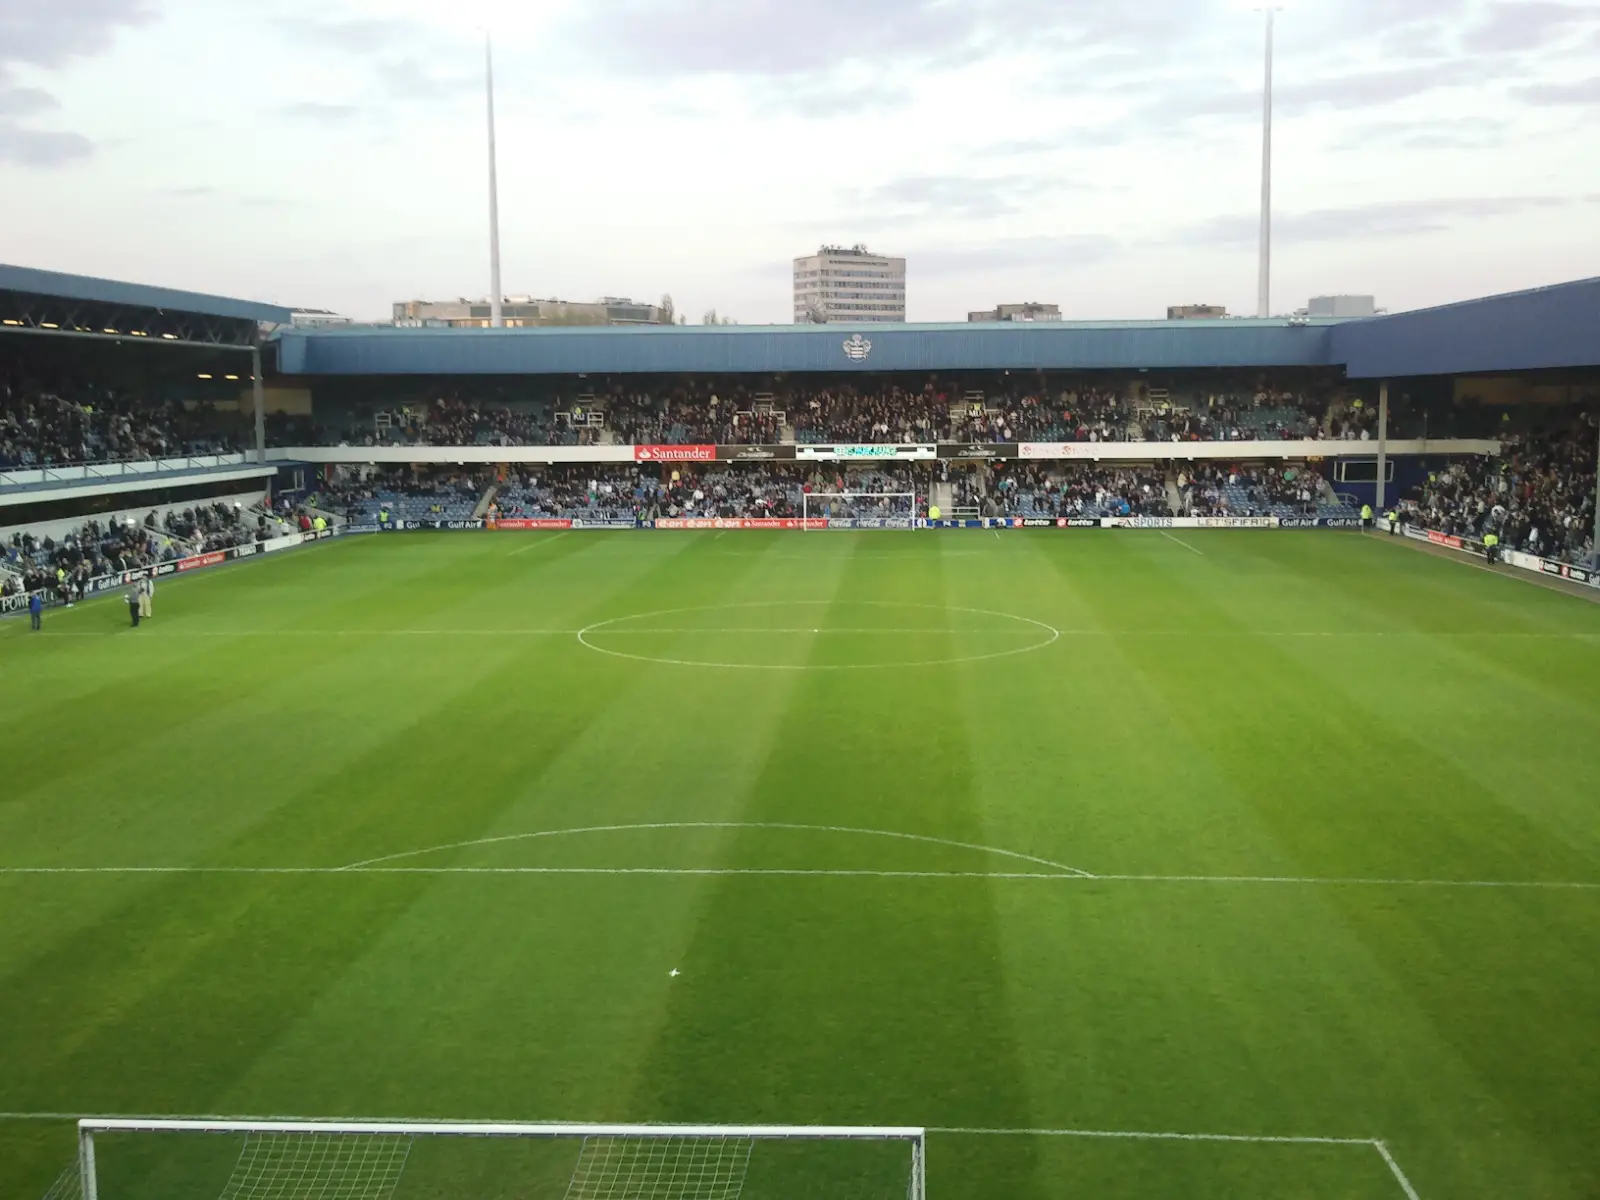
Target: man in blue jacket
x=36, y=609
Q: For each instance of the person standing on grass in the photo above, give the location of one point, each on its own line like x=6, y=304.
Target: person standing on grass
x=133, y=605
x=36, y=609
x=145, y=593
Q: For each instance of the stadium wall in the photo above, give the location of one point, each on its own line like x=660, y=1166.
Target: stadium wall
x=819, y=524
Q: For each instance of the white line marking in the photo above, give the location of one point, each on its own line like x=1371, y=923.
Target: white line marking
x=610, y=624
x=1313, y=880
x=818, y=559
x=235, y=633
x=1075, y=876
x=786, y=826
x=1180, y=542
x=1399, y=1175
x=953, y=1130
x=1155, y=1136
x=819, y=871
x=541, y=542
x=1196, y=634
x=811, y=629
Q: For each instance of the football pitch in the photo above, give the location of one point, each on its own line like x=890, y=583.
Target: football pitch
x=1223, y=864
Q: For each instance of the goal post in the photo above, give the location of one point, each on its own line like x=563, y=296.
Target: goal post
x=369, y=1160
x=858, y=510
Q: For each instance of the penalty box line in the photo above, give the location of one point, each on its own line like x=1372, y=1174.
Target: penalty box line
x=1131, y=1135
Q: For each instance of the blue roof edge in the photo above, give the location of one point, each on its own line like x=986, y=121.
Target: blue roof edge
x=111, y=291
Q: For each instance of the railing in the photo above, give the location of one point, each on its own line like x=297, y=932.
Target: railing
x=117, y=469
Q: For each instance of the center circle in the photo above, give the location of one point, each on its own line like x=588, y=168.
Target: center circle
x=793, y=635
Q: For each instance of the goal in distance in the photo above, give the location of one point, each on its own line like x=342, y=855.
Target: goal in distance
x=858, y=510
x=342, y=1160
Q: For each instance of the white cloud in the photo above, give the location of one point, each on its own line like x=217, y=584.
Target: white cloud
x=1103, y=156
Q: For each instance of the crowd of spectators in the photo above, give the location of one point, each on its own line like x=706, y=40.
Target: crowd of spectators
x=1001, y=408
x=1218, y=490
x=406, y=493
x=1538, y=498
x=452, y=422
x=53, y=423
x=1078, y=490
x=41, y=426
x=627, y=492
x=97, y=548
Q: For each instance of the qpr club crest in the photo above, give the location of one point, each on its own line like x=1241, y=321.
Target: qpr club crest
x=856, y=347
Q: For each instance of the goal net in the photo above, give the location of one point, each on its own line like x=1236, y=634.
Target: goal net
x=859, y=510
x=147, y=1159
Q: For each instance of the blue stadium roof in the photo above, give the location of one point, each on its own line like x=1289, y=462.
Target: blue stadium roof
x=1547, y=328
x=1540, y=329
x=775, y=349
x=135, y=295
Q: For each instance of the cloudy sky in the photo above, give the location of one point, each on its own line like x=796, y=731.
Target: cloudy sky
x=1101, y=154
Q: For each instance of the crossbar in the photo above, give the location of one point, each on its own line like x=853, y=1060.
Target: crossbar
x=505, y=1129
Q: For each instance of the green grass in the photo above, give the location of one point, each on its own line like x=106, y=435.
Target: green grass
x=1308, y=708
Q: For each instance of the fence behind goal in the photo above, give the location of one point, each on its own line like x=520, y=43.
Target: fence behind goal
x=151, y=1159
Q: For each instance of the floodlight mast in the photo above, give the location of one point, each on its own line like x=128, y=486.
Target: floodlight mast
x=1595, y=555
x=1264, y=268
x=496, y=318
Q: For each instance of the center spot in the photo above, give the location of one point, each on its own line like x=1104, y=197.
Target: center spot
x=825, y=635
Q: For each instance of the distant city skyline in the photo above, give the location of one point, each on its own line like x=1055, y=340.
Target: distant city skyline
x=329, y=153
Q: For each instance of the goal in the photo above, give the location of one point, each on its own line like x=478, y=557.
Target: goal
x=859, y=510
x=125, y=1159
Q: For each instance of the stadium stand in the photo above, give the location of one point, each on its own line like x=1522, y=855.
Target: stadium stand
x=55, y=421
x=100, y=548
x=407, y=495
x=982, y=408
x=1079, y=491
x=1292, y=490
x=1015, y=489
x=1539, y=498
